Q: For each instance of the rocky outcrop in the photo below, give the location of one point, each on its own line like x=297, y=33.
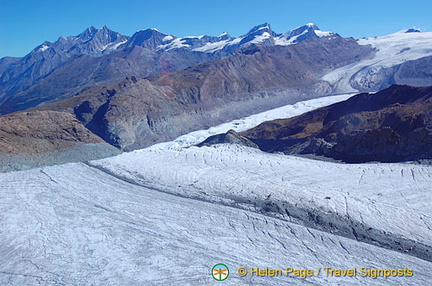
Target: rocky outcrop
x=389, y=126
x=41, y=138
x=230, y=137
x=42, y=132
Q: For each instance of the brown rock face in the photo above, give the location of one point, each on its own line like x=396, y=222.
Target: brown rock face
x=42, y=132
x=389, y=126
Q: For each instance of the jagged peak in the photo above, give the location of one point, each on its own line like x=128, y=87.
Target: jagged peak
x=91, y=29
x=105, y=29
x=306, y=31
x=265, y=27
x=89, y=32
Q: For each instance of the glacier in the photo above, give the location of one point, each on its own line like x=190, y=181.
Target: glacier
x=165, y=215
x=391, y=50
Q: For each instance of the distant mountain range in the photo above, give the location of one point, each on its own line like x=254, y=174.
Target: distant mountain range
x=99, y=55
x=151, y=87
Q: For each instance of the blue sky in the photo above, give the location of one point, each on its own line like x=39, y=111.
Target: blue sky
x=27, y=23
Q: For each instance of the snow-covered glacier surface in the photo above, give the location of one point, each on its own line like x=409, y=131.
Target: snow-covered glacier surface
x=391, y=50
x=77, y=225
x=165, y=216
x=375, y=203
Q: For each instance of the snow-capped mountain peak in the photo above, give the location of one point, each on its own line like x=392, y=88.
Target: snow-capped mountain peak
x=92, y=41
x=262, y=34
x=259, y=30
x=263, y=27
x=97, y=41
x=301, y=33
x=304, y=32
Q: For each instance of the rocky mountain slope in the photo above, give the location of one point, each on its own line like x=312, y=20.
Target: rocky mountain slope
x=42, y=132
x=389, y=126
x=29, y=139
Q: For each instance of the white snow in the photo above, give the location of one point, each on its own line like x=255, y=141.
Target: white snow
x=321, y=34
x=112, y=46
x=194, y=37
x=76, y=225
x=392, y=50
x=261, y=38
x=167, y=38
x=212, y=47
x=215, y=46
x=236, y=41
x=174, y=44
x=284, y=40
x=43, y=48
x=394, y=198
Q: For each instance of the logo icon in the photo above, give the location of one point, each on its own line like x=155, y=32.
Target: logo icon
x=220, y=272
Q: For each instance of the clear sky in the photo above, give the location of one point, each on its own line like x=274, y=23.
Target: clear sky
x=24, y=24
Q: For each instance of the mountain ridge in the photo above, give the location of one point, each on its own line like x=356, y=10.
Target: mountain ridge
x=392, y=125
x=96, y=56
x=108, y=48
